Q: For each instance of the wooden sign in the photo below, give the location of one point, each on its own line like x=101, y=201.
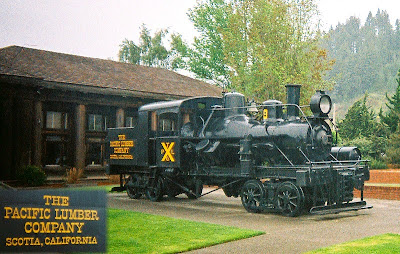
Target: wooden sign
x=52, y=221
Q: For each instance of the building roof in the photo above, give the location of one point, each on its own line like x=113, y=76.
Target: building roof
x=77, y=72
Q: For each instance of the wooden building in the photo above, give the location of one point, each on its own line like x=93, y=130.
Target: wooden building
x=55, y=108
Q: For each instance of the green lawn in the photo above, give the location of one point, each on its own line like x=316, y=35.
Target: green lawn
x=106, y=188
x=134, y=232
x=387, y=243
x=383, y=184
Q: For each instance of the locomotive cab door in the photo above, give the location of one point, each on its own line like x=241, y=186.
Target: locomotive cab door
x=167, y=152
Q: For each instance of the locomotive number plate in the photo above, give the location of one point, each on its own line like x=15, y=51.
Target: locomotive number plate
x=265, y=114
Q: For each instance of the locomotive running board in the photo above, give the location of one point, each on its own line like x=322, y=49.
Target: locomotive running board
x=320, y=210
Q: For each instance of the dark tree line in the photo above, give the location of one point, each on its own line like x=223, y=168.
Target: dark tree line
x=367, y=55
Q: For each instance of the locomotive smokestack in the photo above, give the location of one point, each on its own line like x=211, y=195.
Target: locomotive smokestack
x=293, y=97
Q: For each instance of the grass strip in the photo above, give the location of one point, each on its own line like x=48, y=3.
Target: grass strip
x=106, y=188
x=383, y=184
x=134, y=232
x=386, y=243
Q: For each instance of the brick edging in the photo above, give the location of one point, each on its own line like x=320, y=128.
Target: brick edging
x=385, y=176
x=380, y=192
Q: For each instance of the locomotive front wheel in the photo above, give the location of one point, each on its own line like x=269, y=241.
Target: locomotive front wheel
x=289, y=199
x=252, y=195
x=154, y=193
x=131, y=187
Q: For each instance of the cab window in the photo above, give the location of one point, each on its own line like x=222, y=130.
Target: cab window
x=167, y=124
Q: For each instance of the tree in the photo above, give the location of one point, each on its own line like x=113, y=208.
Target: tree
x=257, y=44
x=256, y=47
x=393, y=148
x=392, y=118
x=361, y=128
x=359, y=121
x=150, y=51
x=129, y=52
x=179, y=52
x=207, y=59
x=367, y=56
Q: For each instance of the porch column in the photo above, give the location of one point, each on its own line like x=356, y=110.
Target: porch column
x=37, y=133
x=80, y=146
x=120, y=118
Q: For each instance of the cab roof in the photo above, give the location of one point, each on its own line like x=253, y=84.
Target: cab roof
x=174, y=106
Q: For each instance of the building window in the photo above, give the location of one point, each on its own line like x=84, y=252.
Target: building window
x=95, y=151
x=130, y=121
x=56, y=120
x=56, y=153
x=97, y=122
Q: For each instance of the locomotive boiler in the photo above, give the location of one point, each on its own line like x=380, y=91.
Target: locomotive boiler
x=272, y=155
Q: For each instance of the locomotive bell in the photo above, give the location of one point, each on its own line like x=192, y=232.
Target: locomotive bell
x=252, y=107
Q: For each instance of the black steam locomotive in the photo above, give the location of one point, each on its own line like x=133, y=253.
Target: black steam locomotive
x=284, y=161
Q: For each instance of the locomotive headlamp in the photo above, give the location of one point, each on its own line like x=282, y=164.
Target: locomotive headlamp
x=320, y=104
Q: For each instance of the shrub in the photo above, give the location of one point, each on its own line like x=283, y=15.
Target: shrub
x=373, y=147
x=32, y=176
x=114, y=178
x=393, y=148
x=359, y=121
x=74, y=174
x=376, y=164
x=337, y=139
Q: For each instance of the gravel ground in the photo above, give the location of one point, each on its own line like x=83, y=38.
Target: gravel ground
x=283, y=235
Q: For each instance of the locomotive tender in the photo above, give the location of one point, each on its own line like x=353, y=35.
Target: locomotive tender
x=283, y=162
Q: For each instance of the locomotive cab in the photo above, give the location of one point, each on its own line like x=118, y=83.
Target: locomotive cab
x=169, y=122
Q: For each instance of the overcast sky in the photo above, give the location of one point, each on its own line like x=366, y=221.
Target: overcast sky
x=96, y=28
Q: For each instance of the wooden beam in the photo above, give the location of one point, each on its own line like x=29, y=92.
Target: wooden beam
x=37, y=133
x=120, y=118
x=80, y=146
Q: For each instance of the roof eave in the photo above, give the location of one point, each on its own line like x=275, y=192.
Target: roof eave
x=40, y=82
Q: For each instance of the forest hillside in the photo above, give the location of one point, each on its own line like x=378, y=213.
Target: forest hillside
x=367, y=58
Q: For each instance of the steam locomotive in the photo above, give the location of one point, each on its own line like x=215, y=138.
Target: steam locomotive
x=272, y=156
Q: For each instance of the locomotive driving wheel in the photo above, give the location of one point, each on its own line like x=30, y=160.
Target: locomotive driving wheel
x=252, y=195
x=154, y=193
x=132, y=188
x=289, y=199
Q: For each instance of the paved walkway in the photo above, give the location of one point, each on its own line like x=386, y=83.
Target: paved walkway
x=283, y=235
